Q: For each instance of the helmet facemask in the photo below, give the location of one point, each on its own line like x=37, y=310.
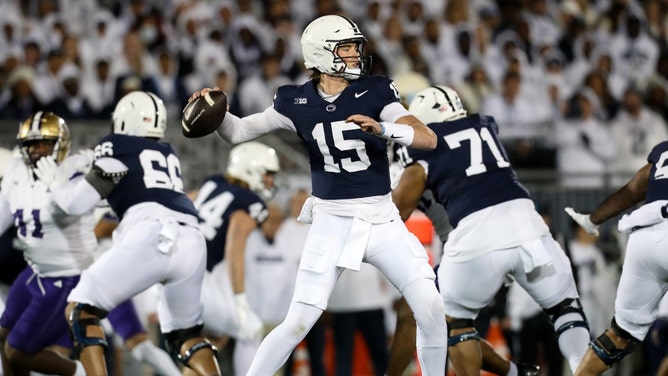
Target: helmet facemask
x=44, y=126
x=364, y=62
x=321, y=40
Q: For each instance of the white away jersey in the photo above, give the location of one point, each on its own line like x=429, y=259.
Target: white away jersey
x=55, y=244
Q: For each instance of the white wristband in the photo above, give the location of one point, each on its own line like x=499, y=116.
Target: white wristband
x=400, y=133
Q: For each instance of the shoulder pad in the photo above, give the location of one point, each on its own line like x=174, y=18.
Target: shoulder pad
x=111, y=167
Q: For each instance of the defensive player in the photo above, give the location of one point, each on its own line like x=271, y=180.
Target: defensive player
x=496, y=234
x=644, y=279
x=230, y=208
x=56, y=246
x=344, y=119
x=157, y=241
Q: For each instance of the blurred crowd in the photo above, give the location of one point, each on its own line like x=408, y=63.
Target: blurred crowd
x=569, y=80
x=579, y=86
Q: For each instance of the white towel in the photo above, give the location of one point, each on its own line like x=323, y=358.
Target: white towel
x=355, y=245
x=534, y=255
x=168, y=234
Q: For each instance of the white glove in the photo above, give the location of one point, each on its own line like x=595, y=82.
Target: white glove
x=644, y=216
x=46, y=170
x=250, y=325
x=583, y=220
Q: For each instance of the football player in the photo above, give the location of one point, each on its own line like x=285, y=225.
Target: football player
x=56, y=246
x=344, y=119
x=644, y=279
x=497, y=233
x=157, y=240
x=230, y=207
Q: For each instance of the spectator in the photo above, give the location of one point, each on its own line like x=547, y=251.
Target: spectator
x=636, y=129
x=47, y=84
x=99, y=87
x=585, y=146
x=71, y=103
x=256, y=91
x=21, y=102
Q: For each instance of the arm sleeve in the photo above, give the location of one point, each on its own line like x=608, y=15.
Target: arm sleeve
x=236, y=130
x=393, y=111
x=76, y=197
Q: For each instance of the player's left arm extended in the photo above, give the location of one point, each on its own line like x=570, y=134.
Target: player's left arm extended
x=409, y=190
x=624, y=198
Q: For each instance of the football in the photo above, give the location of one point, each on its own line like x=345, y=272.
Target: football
x=203, y=115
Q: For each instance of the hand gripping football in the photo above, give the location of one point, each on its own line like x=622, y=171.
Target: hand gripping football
x=204, y=115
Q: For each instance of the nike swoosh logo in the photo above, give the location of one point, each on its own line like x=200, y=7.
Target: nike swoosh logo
x=357, y=95
x=393, y=136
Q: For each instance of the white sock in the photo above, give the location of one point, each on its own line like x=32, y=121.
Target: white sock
x=80, y=371
x=158, y=359
x=574, y=342
x=513, y=370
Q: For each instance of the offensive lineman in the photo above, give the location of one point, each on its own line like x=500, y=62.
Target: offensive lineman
x=336, y=116
x=496, y=234
x=157, y=240
x=644, y=279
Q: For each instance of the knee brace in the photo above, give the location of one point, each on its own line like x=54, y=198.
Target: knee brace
x=606, y=350
x=466, y=336
x=175, y=339
x=567, y=306
x=79, y=325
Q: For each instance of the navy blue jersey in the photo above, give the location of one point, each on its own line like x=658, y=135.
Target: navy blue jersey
x=345, y=161
x=469, y=169
x=657, y=187
x=216, y=200
x=154, y=174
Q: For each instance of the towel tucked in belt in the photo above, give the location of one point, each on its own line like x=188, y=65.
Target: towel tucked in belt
x=355, y=245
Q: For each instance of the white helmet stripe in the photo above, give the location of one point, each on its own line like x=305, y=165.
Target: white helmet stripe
x=36, y=122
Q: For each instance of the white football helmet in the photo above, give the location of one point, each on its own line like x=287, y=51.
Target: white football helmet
x=321, y=39
x=437, y=104
x=140, y=113
x=249, y=162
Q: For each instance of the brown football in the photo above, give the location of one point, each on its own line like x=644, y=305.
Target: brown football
x=204, y=115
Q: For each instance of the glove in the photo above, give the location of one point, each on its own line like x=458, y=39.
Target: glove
x=46, y=170
x=583, y=220
x=250, y=325
x=644, y=216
